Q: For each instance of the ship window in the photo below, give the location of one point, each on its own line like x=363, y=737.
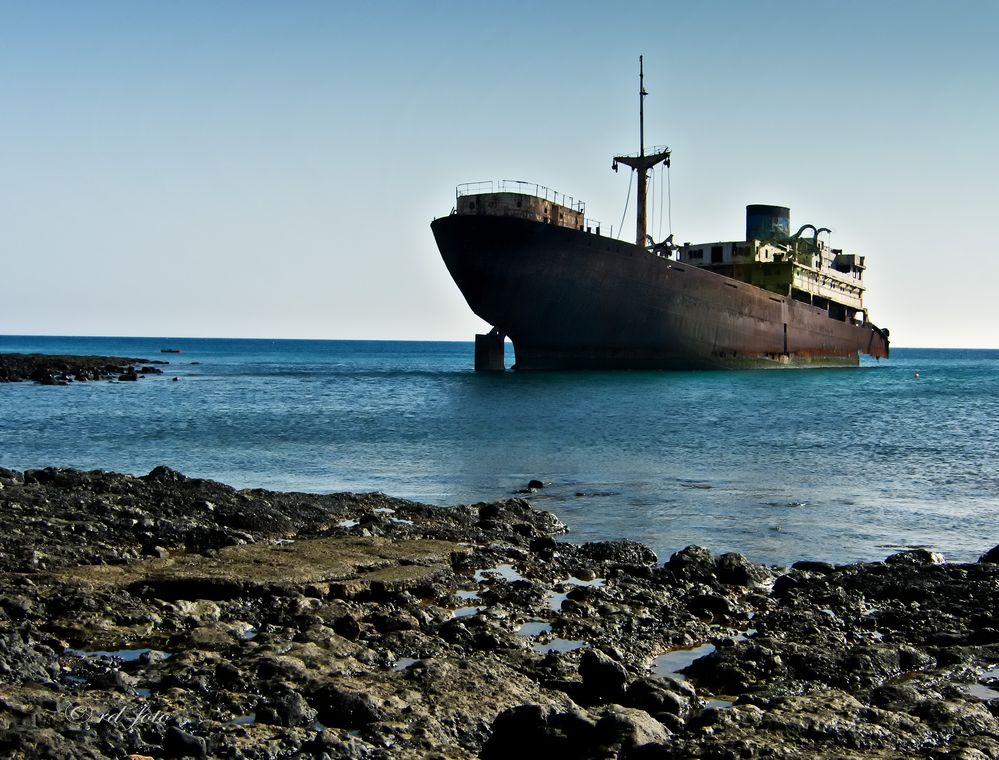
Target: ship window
x=716, y=254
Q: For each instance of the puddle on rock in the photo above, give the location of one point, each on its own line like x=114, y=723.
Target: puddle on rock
x=534, y=628
x=347, y=523
x=671, y=663
x=718, y=704
x=505, y=571
x=403, y=663
x=250, y=719
x=384, y=510
x=463, y=612
x=559, y=645
x=470, y=596
x=126, y=655
x=574, y=581
x=555, y=599
x=981, y=691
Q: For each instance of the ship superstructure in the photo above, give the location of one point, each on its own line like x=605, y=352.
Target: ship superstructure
x=802, y=267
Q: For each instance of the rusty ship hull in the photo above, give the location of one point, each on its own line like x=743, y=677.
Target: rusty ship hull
x=572, y=299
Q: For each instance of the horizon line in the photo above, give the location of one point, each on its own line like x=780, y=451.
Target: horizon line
x=375, y=340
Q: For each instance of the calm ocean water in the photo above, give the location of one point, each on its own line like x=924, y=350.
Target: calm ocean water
x=841, y=465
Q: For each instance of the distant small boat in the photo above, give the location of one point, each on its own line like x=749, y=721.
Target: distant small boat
x=169, y=350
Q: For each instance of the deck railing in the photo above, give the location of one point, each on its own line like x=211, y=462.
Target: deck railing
x=522, y=188
x=650, y=152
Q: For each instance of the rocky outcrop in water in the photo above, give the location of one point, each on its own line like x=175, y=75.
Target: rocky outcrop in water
x=52, y=369
x=167, y=616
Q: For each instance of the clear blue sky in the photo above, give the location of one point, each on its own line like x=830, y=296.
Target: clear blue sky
x=271, y=169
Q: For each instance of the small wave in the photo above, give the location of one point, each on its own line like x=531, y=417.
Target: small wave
x=696, y=484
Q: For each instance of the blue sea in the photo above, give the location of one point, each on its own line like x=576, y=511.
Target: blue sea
x=838, y=464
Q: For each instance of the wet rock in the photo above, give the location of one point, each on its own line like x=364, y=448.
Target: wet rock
x=345, y=708
x=785, y=585
x=11, y=477
x=812, y=566
x=204, y=538
x=287, y=708
x=628, y=728
x=164, y=474
x=530, y=731
x=915, y=557
x=389, y=621
x=347, y=626
x=709, y=605
x=543, y=545
x=328, y=744
x=957, y=718
x=991, y=556
x=228, y=675
x=897, y=697
x=695, y=563
x=654, y=696
x=263, y=518
x=735, y=570
x=518, y=730
x=619, y=552
x=178, y=743
x=603, y=678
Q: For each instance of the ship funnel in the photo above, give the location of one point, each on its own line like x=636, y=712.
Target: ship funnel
x=767, y=222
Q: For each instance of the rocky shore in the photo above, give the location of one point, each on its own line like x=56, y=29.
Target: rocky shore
x=55, y=369
x=163, y=616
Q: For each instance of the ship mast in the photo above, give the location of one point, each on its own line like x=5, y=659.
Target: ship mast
x=642, y=163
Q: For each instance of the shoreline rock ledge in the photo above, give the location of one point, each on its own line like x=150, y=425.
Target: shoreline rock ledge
x=60, y=369
x=163, y=616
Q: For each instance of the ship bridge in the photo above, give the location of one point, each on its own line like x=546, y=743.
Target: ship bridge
x=805, y=269
x=523, y=200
